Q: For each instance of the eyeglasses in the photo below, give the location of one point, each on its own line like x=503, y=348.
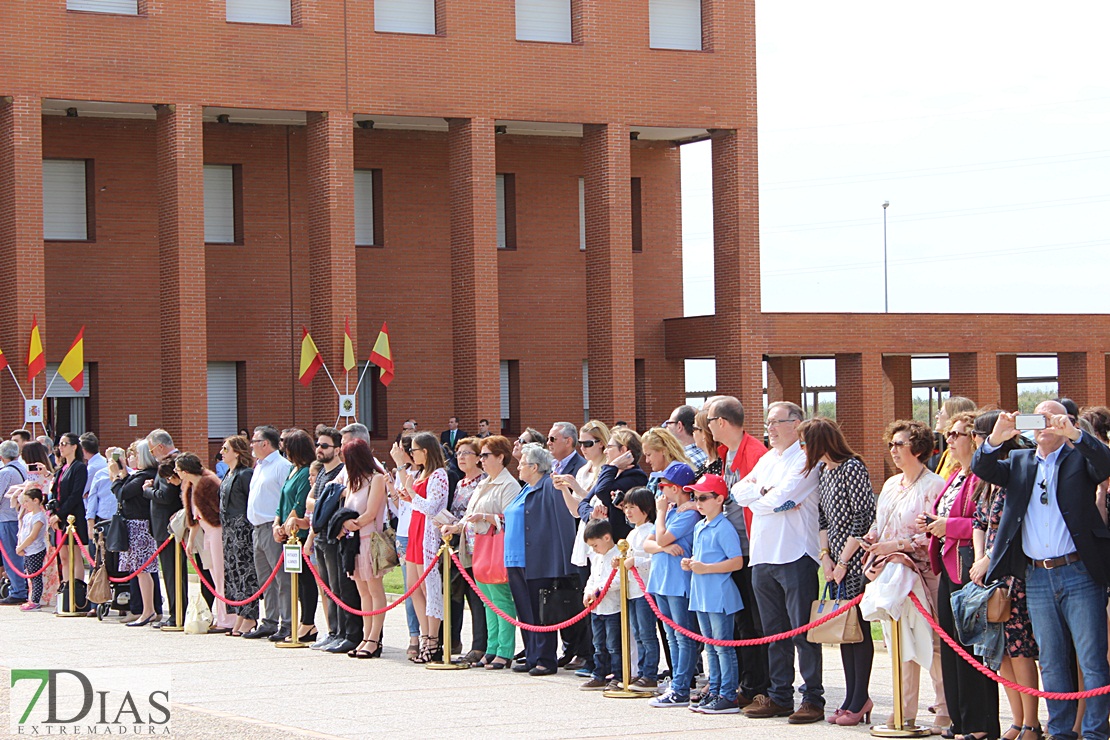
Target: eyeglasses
x=550, y=439
x=703, y=499
x=710, y=419
x=324, y=446
x=698, y=429
x=484, y=455
x=587, y=443
x=892, y=445
x=612, y=446
x=257, y=441
x=667, y=423
x=1044, y=492
x=957, y=434
x=464, y=453
x=775, y=422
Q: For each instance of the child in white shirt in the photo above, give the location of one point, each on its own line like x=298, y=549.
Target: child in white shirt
x=606, y=618
x=32, y=543
x=639, y=509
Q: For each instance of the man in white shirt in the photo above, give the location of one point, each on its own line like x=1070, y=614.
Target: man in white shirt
x=783, y=554
x=269, y=476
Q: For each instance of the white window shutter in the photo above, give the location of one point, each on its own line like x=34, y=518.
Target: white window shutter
x=586, y=388
x=502, y=241
x=275, y=12
x=505, y=410
x=675, y=24
x=405, y=16
x=64, y=208
x=219, y=204
x=223, y=400
x=543, y=20
x=125, y=7
x=60, y=388
x=364, y=208
x=582, y=214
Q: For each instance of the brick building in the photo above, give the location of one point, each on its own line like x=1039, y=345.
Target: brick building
x=497, y=179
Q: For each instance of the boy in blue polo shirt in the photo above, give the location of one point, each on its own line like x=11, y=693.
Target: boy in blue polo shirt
x=713, y=594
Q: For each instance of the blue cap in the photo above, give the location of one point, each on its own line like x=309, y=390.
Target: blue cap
x=679, y=473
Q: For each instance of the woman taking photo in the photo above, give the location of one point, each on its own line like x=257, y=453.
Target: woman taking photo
x=620, y=474
x=290, y=518
x=240, y=578
x=894, y=535
x=402, y=458
x=539, y=531
x=69, y=498
x=428, y=495
x=366, y=495
x=703, y=438
x=200, y=493
x=592, y=438
x=467, y=457
x=846, y=512
x=135, y=508
x=484, y=516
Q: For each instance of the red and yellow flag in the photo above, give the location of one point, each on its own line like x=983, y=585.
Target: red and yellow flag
x=349, y=363
x=72, y=367
x=3, y=360
x=36, y=359
x=311, y=362
x=382, y=357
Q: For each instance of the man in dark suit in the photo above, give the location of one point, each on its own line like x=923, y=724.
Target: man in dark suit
x=164, y=493
x=562, y=442
x=452, y=434
x=1052, y=534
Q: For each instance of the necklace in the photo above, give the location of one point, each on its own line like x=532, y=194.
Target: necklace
x=902, y=483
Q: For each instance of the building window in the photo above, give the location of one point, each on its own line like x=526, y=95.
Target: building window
x=585, y=391
x=506, y=211
x=405, y=16
x=273, y=12
x=675, y=24
x=223, y=204
x=368, y=208
x=121, y=7
x=510, y=395
x=223, y=400
x=582, y=214
x=543, y=20
x=66, y=410
x=368, y=398
x=637, y=217
x=67, y=200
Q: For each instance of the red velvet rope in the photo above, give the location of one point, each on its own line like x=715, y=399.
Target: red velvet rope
x=523, y=625
x=137, y=571
x=739, y=643
x=974, y=663
x=20, y=573
x=351, y=610
x=258, y=594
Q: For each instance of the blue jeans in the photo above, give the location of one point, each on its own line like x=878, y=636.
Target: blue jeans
x=410, y=610
x=641, y=620
x=1068, y=608
x=9, y=532
x=607, y=645
x=683, y=653
x=724, y=671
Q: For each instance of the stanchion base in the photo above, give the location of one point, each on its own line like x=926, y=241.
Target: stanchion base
x=290, y=644
x=907, y=731
x=447, y=666
x=625, y=694
x=69, y=614
x=172, y=629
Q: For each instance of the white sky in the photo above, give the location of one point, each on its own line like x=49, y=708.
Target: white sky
x=985, y=126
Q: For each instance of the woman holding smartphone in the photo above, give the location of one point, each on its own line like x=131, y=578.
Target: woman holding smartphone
x=69, y=500
x=619, y=475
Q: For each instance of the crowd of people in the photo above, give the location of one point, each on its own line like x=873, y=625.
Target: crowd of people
x=730, y=538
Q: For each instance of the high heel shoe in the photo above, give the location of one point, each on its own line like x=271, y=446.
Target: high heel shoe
x=430, y=651
x=354, y=653
x=414, y=655
x=363, y=653
x=1033, y=732
x=142, y=622
x=832, y=718
x=851, y=719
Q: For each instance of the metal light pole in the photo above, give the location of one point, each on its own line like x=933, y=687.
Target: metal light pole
x=886, y=292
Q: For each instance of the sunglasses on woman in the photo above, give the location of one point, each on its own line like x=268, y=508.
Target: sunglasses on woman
x=587, y=443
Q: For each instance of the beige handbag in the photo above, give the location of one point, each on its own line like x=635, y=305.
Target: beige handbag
x=845, y=629
x=999, y=604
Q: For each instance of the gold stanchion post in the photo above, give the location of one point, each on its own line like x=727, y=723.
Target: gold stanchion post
x=294, y=584
x=446, y=665
x=626, y=637
x=898, y=728
x=180, y=585
x=71, y=532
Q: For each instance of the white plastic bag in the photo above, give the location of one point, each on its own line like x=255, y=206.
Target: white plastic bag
x=198, y=617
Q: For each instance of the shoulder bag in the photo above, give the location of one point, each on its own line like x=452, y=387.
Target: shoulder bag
x=489, y=557
x=117, y=538
x=999, y=604
x=842, y=630
x=383, y=551
x=560, y=602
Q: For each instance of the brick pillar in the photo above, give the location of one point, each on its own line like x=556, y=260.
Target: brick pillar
x=331, y=250
x=183, y=329
x=1007, y=382
x=23, y=281
x=974, y=375
x=472, y=163
x=610, y=337
x=860, y=398
x=784, y=379
x=897, y=388
x=1082, y=377
x=736, y=268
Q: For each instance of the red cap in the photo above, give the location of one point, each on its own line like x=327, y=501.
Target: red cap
x=709, y=483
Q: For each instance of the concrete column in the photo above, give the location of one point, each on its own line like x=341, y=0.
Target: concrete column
x=474, y=285
x=1007, y=382
x=974, y=375
x=182, y=327
x=1082, y=377
x=610, y=335
x=861, y=395
x=23, y=282
x=784, y=379
x=897, y=387
x=331, y=249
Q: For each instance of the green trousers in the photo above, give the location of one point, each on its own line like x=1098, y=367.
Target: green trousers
x=501, y=637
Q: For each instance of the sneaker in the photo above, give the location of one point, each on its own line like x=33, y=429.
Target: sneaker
x=614, y=685
x=762, y=707
x=719, y=705
x=643, y=685
x=704, y=701
x=30, y=606
x=584, y=673
x=324, y=641
x=594, y=684
x=806, y=714
x=669, y=699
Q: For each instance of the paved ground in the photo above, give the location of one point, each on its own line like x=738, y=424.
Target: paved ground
x=229, y=688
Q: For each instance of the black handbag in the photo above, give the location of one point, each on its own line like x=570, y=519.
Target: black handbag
x=965, y=557
x=560, y=602
x=117, y=538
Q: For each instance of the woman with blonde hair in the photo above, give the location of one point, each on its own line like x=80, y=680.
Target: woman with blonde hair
x=661, y=448
x=944, y=464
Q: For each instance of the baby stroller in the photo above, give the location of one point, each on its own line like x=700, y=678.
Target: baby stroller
x=5, y=584
x=108, y=562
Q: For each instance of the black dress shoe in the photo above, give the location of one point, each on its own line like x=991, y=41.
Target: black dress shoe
x=342, y=646
x=163, y=623
x=564, y=659
x=521, y=668
x=259, y=632
x=12, y=601
x=541, y=671
x=280, y=635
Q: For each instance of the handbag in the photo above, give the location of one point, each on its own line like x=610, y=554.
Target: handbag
x=965, y=558
x=117, y=538
x=383, y=551
x=842, y=630
x=99, y=589
x=488, y=561
x=198, y=617
x=999, y=604
x=559, y=603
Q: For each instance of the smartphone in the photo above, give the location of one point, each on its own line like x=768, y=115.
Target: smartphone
x=1025, y=422
x=115, y=455
x=931, y=519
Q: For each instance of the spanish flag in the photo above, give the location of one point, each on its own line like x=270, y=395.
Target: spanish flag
x=36, y=360
x=3, y=360
x=73, y=364
x=382, y=357
x=311, y=362
x=348, y=348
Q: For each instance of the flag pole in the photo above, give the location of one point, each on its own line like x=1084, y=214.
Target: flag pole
x=333, y=385
x=52, y=383
x=17, y=386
